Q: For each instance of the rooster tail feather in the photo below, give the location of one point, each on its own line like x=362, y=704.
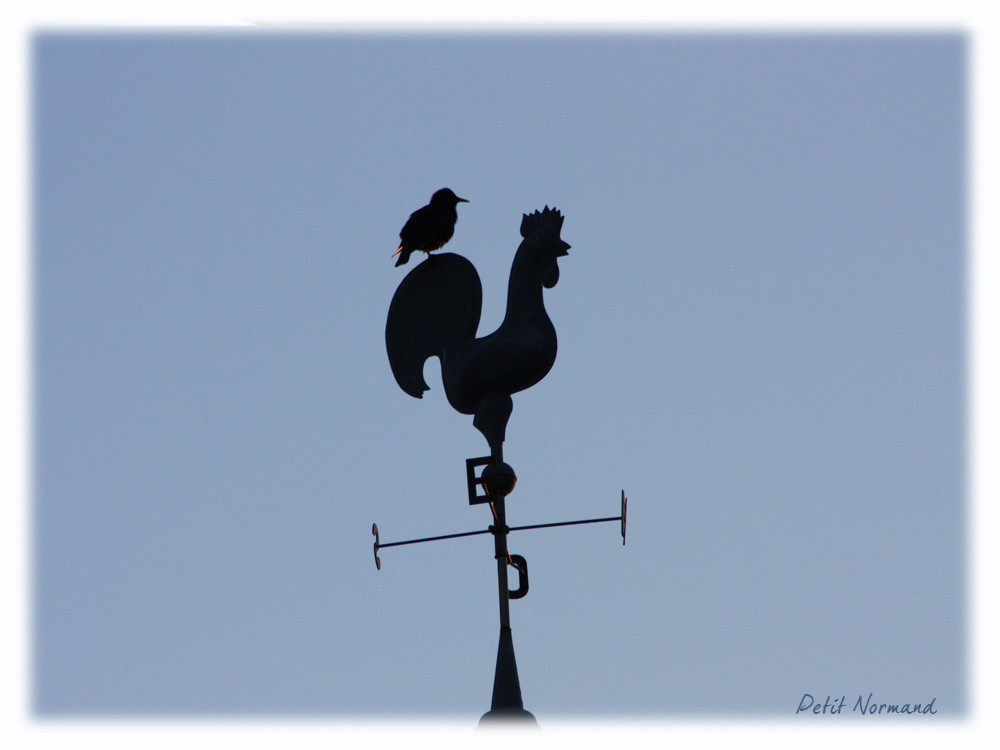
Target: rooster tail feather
x=435, y=307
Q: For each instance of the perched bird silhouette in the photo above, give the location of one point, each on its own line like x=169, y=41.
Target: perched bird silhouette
x=430, y=227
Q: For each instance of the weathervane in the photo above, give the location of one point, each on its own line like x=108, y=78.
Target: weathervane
x=435, y=312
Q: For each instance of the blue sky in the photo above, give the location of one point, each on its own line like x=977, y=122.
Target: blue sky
x=762, y=340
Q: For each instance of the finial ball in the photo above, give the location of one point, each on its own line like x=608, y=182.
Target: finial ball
x=499, y=479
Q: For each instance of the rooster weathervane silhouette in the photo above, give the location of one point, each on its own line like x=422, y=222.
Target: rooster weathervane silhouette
x=435, y=312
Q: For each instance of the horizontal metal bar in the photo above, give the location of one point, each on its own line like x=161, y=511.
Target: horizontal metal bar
x=383, y=545
x=563, y=523
x=433, y=538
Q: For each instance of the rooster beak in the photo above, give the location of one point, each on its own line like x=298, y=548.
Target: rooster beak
x=563, y=248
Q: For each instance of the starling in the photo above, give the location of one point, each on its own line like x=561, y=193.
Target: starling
x=430, y=227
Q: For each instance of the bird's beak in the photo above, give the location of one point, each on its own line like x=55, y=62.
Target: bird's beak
x=398, y=249
x=462, y=200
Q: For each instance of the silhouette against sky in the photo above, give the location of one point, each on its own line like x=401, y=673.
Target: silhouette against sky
x=761, y=332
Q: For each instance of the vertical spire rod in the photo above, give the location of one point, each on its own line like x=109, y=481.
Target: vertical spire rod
x=500, y=544
x=507, y=702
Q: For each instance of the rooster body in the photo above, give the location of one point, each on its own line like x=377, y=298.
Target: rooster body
x=435, y=312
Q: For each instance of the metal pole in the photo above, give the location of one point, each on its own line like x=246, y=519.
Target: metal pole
x=500, y=546
x=506, y=703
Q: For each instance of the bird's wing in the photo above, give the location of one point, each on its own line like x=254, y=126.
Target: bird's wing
x=436, y=306
x=416, y=228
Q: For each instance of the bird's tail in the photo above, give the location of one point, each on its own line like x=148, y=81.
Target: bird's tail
x=435, y=307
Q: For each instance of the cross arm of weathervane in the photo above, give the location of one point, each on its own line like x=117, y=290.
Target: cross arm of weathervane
x=379, y=545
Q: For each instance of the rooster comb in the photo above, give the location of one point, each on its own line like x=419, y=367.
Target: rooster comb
x=548, y=218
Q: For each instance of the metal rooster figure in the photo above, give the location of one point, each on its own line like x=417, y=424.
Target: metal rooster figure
x=435, y=312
